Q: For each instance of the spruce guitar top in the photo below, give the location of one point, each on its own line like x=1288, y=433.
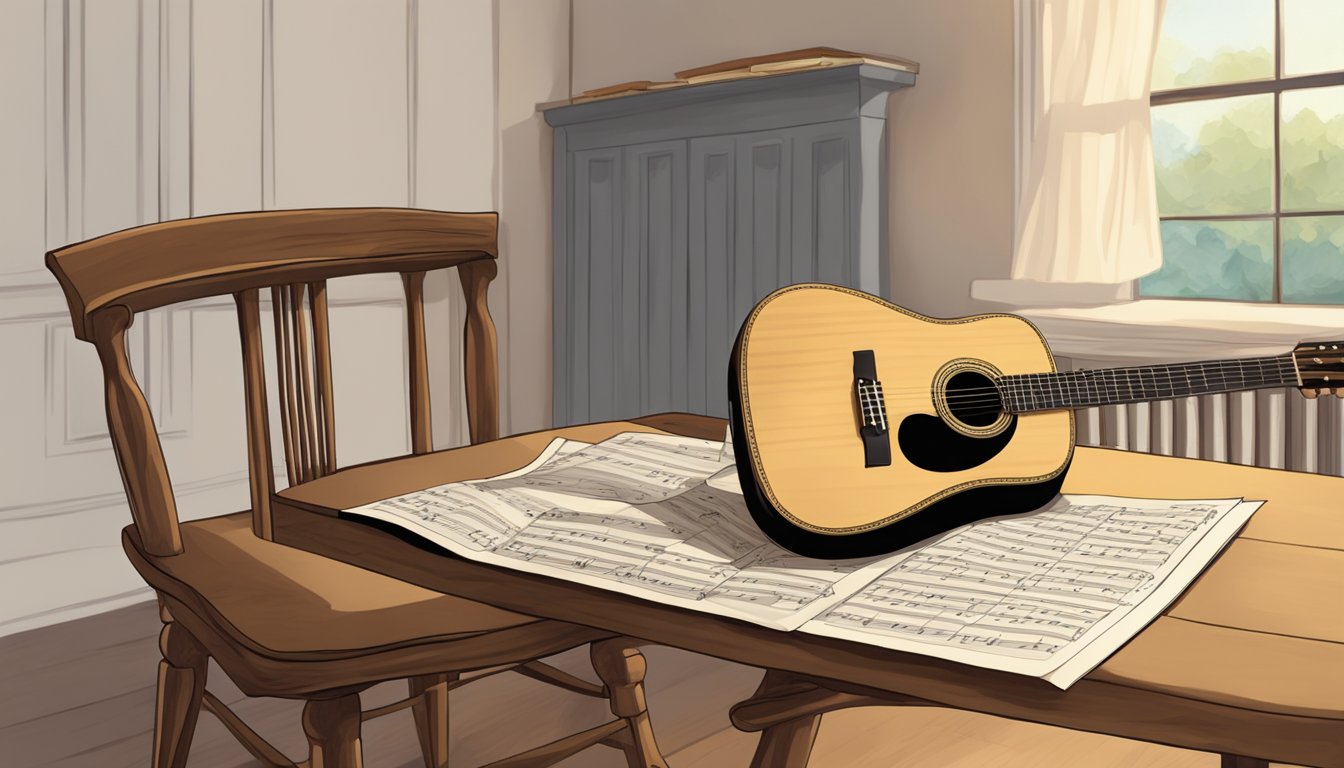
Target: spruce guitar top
x=860, y=427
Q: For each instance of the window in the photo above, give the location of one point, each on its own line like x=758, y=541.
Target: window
x=1248, y=145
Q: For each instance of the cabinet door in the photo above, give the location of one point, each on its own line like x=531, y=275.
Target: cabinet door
x=593, y=290
x=764, y=217
x=651, y=350
x=826, y=170
x=713, y=319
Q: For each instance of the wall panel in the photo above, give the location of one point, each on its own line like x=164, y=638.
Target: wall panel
x=226, y=101
x=341, y=103
x=143, y=110
x=22, y=144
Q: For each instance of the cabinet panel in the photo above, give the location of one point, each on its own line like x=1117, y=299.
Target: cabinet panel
x=825, y=218
x=651, y=359
x=593, y=296
x=764, y=218
x=712, y=323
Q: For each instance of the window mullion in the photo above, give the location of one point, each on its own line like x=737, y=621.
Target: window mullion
x=1278, y=167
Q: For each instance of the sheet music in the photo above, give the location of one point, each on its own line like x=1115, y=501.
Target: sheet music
x=1050, y=593
x=634, y=514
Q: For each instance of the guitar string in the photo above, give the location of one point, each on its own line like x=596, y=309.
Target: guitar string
x=1159, y=374
x=1047, y=400
x=1155, y=375
x=1064, y=385
x=1072, y=379
x=1069, y=383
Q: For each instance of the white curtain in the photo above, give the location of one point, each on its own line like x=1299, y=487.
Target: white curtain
x=1086, y=206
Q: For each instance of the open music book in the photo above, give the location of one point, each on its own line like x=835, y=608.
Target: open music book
x=1049, y=593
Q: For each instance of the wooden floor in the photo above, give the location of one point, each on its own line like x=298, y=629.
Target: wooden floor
x=81, y=694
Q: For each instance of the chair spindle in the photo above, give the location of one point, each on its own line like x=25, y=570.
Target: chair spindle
x=422, y=435
x=306, y=399
x=260, y=477
x=307, y=407
x=289, y=415
x=322, y=356
x=482, y=365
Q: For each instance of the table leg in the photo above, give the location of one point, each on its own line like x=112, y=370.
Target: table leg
x=786, y=743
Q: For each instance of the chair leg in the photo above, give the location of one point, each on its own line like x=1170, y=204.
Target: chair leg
x=332, y=727
x=621, y=667
x=1237, y=761
x=180, y=689
x=431, y=716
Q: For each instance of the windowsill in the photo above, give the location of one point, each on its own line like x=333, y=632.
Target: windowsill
x=1160, y=329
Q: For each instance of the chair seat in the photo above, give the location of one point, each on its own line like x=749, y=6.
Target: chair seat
x=285, y=603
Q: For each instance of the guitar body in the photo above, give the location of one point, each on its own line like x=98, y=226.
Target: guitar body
x=955, y=455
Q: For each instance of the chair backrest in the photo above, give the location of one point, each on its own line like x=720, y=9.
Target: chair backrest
x=109, y=279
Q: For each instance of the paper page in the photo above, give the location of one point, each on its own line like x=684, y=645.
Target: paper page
x=1049, y=593
x=633, y=514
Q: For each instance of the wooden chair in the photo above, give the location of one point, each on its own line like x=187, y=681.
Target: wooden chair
x=268, y=614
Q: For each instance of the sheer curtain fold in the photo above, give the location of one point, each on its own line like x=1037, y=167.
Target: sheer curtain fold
x=1086, y=206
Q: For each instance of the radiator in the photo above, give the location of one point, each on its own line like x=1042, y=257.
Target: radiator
x=1275, y=428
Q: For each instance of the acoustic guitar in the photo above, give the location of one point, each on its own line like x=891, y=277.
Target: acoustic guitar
x=860, y=427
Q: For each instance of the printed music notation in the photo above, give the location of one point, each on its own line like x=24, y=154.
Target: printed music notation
x=1049, y=593
x=634, y=514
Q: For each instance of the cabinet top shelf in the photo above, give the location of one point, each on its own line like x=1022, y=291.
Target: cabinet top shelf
x=864, y=82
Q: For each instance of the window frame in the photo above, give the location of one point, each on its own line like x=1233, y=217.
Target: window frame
x=1276, y=85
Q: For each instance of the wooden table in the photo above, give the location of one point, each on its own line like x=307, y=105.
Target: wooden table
x=1248, y=663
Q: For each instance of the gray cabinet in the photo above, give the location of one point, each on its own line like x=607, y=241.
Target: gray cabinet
x=676, y=211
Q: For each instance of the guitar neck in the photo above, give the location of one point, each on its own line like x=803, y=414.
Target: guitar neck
x=1030, y=392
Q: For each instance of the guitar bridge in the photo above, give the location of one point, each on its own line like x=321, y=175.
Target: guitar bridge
x=872, y=405
x=872, y=411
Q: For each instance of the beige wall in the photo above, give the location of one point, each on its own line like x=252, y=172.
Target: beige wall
x=951, y=135
x=533, y=51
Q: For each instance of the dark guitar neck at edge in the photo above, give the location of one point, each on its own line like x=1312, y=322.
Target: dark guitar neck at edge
x=1030, y=392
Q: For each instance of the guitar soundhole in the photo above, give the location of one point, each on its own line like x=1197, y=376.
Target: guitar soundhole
x=971, y=427
x=973, y=399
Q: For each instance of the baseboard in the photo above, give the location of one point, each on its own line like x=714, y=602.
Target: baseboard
x=77, y=611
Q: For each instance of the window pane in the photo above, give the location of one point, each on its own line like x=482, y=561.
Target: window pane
x=1215, y=157
x=1311, y=36
x=1215, y=260
x=1313, y=259
x=1204, y=42
x=1313, y=149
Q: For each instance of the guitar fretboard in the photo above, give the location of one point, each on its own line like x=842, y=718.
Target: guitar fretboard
x=1113, y=386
